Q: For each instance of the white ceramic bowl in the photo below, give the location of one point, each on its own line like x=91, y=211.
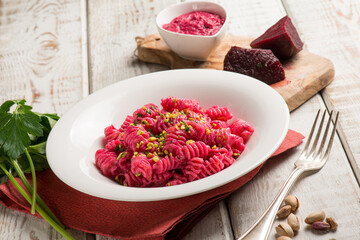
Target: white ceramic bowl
x=79, y=133
x=194, y=47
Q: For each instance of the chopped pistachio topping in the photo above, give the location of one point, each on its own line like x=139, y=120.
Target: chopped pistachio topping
x=156, y=158
x=152, y=139
x=149, y=146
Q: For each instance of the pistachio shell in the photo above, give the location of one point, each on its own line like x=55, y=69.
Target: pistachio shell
x=315, y=216
x=331, y=221
x=293, y=222
x=284, y=211
x=292, y=201
x=283, y=229
x=284, y=238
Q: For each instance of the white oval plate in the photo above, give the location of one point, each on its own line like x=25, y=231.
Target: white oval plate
x=79, y=133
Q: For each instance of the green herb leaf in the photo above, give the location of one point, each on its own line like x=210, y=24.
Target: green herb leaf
x=18, y=128
x=38, y=148
x=5, y=107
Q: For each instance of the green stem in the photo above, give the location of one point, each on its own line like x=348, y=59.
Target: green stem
x=43, y=214
x=28, y=186
x=33, y=175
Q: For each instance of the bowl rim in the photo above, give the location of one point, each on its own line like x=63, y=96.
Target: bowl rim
x=192, y=35
x=172, y=192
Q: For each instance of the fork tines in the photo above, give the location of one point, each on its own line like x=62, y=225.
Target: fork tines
x=321, y=149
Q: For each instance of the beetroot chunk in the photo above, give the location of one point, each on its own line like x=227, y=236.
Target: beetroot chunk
x=281, y=38
x=258, y=63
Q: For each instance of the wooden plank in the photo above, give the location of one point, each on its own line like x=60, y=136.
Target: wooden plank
x=15, y=225
x=333, y=189
x=113, y=27
x=215, y=225
x=40, y=61
x=331, y=28
x=40, y=54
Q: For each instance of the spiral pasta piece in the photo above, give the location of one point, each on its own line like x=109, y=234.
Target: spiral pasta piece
x=167, y=163
x=242, y=129
x=136, y=137
x=128, y=120
x=214, y=165
x=195, y=149
x=219, y=113
x=111, y=133
x=106, y=161
x=193, y=168
x=140, y=165
x=218, y=137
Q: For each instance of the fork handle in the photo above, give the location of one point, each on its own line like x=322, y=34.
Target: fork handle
x=261, y=229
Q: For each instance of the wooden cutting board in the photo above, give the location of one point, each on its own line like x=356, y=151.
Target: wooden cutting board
x=306, y=73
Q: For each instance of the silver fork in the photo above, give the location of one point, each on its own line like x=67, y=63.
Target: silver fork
x=312, y=158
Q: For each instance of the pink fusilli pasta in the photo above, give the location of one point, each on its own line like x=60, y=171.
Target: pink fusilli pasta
x=174, y=145
x=219, y=113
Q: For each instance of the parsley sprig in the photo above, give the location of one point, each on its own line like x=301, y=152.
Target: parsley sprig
x=23, y=136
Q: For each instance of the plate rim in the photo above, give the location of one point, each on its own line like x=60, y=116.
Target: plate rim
x=178, y=190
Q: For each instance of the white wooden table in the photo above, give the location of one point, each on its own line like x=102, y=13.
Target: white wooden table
x=54, y=53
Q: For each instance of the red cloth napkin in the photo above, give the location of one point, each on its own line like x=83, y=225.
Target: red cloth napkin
x=170, y=219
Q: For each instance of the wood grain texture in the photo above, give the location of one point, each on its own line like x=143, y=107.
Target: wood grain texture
x=215, y=225
x=306, y=73
x=15, y=225
x=113, y=27
x=40, y=61
x=331, y=28
x=40, y=53
x=333, y=189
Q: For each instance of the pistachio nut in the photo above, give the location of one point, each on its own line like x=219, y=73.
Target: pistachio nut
x=292, y=201
x=331, y=221
x=315, y=216
x=293, y=222
x=284, y=238
x=284, y=211
x=319, y=225
x=283, y=229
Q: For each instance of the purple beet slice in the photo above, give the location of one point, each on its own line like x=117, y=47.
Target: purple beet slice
x=257, y=63
x=281, y=38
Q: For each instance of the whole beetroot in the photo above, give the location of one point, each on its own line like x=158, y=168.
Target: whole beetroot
x=257, y=63
x=281, y=38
